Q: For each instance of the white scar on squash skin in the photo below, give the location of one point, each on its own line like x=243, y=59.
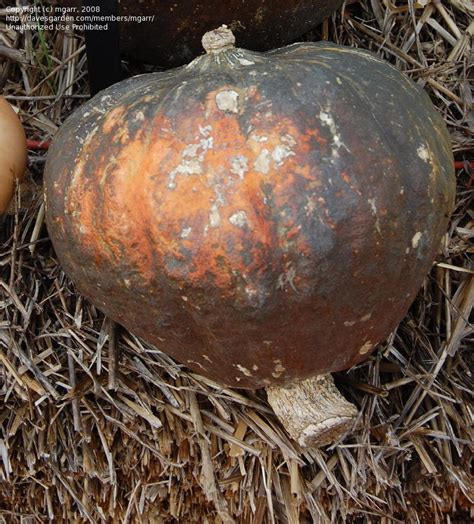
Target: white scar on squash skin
x=186, y=232
x=279, y=369
x=192, y=157
x=105, y=99
x=365, y=318
x=239, y=165
x=327, y=119
x=311, y=205
x=139, y=115
x=424, y=153
x=251, y=292
x=373, y=207
x=262, y=162
x=243, y=370
x=371, y=201
x=214, y=216
x=366, y=348
x=205, y=131
x=245, y=62
x=416, y=239
x=258, y=138
x=228, y=101
x=239, y=219
x=279, y=153
x=284, y=150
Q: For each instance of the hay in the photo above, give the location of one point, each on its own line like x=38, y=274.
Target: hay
x=98, y=426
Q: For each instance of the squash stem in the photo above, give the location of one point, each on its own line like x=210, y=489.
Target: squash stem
x=313, y=411
x=218, y=40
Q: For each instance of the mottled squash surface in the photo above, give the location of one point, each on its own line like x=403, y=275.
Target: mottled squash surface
x=260, y=217
x=174, y=36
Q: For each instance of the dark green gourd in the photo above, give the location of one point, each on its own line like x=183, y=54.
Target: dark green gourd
x=263, y=218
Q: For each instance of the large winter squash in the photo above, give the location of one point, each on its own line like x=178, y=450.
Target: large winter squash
x=263, y=218
x=173, y=37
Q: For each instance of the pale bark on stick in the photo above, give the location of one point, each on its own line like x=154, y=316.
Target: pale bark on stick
x=312, y=411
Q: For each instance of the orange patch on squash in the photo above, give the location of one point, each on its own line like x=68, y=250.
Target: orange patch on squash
x=204, y=186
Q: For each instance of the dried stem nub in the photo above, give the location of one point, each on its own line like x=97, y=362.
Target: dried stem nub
x=218, y=40
x=312, y=411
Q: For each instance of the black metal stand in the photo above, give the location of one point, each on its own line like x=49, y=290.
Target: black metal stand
x=103, y=47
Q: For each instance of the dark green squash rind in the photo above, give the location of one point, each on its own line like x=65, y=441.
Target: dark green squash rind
x=368, y=212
